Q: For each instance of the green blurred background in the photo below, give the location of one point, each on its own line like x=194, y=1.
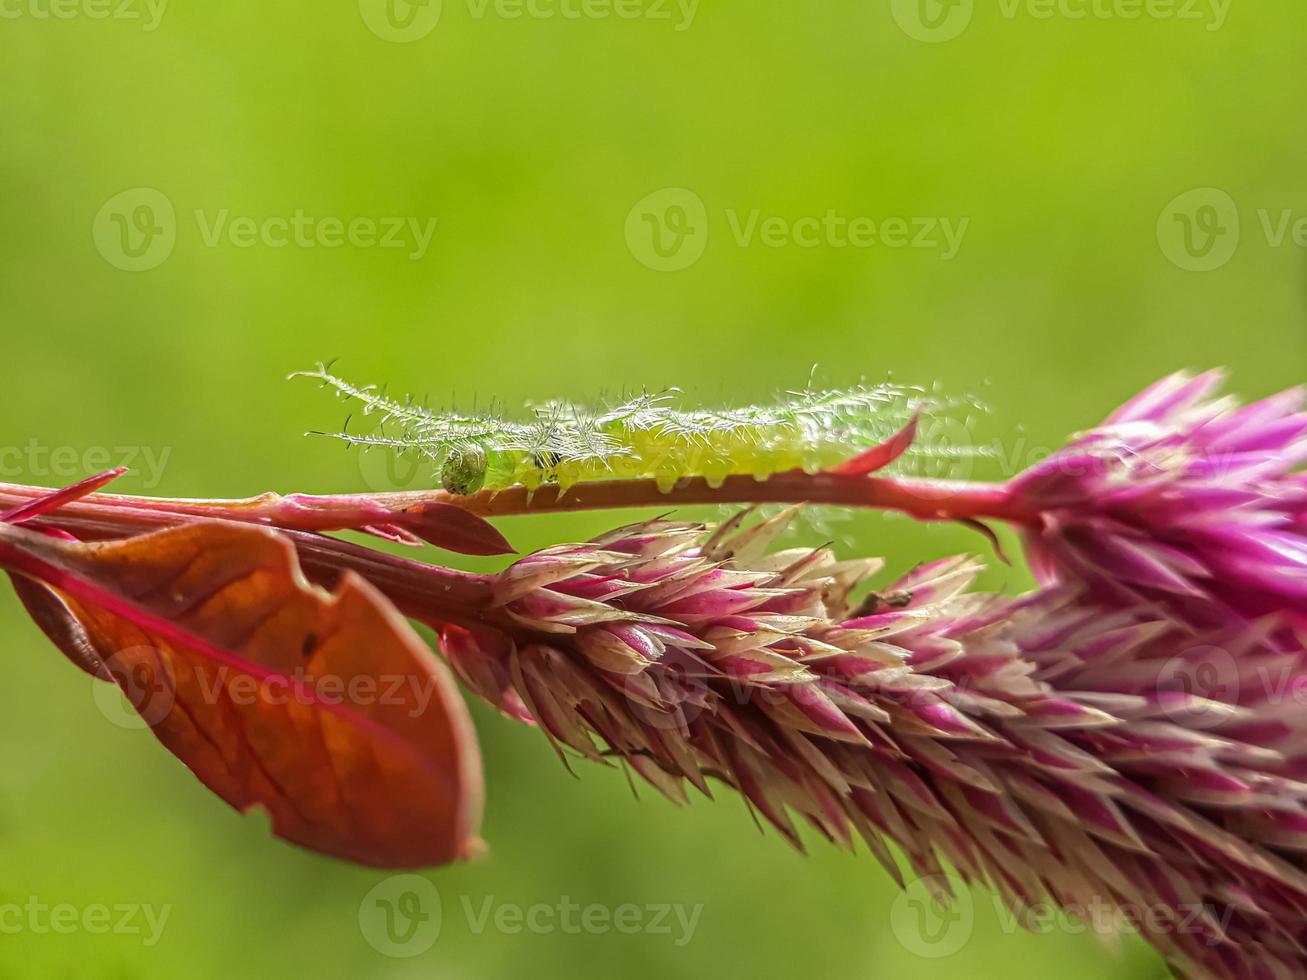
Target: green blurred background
x=1069, y=145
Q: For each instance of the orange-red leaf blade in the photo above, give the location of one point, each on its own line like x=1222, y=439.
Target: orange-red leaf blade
x=324, y=709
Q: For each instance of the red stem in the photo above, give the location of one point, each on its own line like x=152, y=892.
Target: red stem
x=438, y=595
x=927, y=500
x=428, y=592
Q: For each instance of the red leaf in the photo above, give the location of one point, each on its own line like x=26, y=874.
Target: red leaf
x=453, y=528
x=57, y=498
x=878, y=457
x=57, y=621
x=438, y=523
x=324, y=709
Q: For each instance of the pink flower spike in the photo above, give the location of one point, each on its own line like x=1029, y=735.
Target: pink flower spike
x=1183, y=499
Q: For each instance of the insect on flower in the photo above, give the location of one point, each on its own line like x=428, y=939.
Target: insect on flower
x=643, y=437
x=1052, y=747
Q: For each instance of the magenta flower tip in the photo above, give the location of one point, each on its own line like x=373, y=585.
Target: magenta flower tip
x=1182, y=498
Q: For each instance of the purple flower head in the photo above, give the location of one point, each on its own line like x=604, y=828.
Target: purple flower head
x=1040, y=746
x=1183, y=498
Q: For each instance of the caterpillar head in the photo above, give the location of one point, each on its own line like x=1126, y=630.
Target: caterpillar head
x=464, y=470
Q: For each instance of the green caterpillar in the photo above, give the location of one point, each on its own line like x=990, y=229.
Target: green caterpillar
x=645, y=437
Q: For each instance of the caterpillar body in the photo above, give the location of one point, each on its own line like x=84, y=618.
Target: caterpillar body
x=641, y=438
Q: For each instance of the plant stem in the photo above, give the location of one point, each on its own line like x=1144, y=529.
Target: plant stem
x=431, y=593
x=438, y=595
x=927, y=500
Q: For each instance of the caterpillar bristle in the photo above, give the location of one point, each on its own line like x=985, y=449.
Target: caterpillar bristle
x=643, y=435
